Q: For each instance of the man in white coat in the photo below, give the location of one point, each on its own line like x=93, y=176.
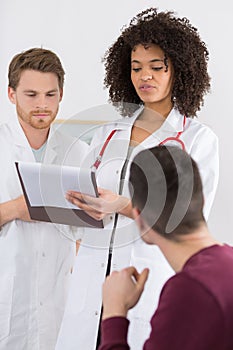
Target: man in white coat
x=35, y=257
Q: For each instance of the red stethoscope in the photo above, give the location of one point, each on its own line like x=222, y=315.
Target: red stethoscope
x=168, y=139
x=176, y=138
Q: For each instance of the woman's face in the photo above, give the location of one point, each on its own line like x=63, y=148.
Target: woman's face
x=151, y=79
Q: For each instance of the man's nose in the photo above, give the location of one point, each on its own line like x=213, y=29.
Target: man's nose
x=41, y=101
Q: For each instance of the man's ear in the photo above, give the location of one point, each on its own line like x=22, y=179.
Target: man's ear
x=136, y=215
x=146, y=232
x=11, y=94
x=61, y=94
x=143, y=227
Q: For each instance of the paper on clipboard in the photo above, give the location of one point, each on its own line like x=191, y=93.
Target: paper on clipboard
x=45, y=186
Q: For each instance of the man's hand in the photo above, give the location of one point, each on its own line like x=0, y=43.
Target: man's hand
x=122, y=290
x=21, y=209
x=107, y=202
x=14, y=209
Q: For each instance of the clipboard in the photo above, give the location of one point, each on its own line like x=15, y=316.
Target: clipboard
x=44, y=187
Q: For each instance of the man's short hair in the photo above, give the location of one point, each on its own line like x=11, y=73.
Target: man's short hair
x=38, y=59
x=166, y=187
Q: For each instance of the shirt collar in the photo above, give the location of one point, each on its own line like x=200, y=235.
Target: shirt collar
x=20, y=138
x=173, y=123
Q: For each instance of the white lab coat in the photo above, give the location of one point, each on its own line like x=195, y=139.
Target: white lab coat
x=80, y=323
x=35, y=258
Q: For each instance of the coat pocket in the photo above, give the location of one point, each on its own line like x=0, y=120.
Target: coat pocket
x=6, y=294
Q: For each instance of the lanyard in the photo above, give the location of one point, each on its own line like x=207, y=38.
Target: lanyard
x=100, y=155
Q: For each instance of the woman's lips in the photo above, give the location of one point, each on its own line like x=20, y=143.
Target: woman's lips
x=146, y=87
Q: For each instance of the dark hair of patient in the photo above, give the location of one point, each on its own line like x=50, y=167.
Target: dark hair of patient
x=165, y=183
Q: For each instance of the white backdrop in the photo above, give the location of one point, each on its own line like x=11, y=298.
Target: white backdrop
x=81, y=31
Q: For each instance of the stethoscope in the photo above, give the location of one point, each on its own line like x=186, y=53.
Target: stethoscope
x=176, y=138
x=162, y=143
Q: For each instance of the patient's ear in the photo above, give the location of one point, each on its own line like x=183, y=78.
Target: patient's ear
x=143, y=227
x=146, y=232
x=136, y=216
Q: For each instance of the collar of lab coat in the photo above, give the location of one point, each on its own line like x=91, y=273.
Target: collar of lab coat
x=173, y=122
x=19, y=138
x=52, y=145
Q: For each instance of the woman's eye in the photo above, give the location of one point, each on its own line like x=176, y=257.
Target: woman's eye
x=136, y=69
x=157, y=68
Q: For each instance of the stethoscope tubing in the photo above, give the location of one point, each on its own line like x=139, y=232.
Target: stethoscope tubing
x=162, y=143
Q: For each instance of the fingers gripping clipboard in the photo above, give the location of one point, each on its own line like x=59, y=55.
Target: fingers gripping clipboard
x=44, y=187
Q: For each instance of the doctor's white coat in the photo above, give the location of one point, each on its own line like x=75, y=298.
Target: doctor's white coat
x=81, y=319
x=35, y=257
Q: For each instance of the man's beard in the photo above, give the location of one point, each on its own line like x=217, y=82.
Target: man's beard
x=37, y=123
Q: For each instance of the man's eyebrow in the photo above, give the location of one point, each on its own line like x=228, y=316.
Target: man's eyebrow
x=29, y=90
x=35, y=91
x=54, y=90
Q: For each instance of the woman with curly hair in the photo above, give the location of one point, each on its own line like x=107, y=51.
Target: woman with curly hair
x=157, y=76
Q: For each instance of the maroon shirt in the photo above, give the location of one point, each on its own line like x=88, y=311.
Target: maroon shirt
x=195, y=310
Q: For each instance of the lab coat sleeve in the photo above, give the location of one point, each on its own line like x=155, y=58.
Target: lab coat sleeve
x=205, y=151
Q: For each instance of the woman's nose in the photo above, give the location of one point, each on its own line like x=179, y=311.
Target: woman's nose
x=146, y=76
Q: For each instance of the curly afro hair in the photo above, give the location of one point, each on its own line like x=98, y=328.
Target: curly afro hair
x=180, y=42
